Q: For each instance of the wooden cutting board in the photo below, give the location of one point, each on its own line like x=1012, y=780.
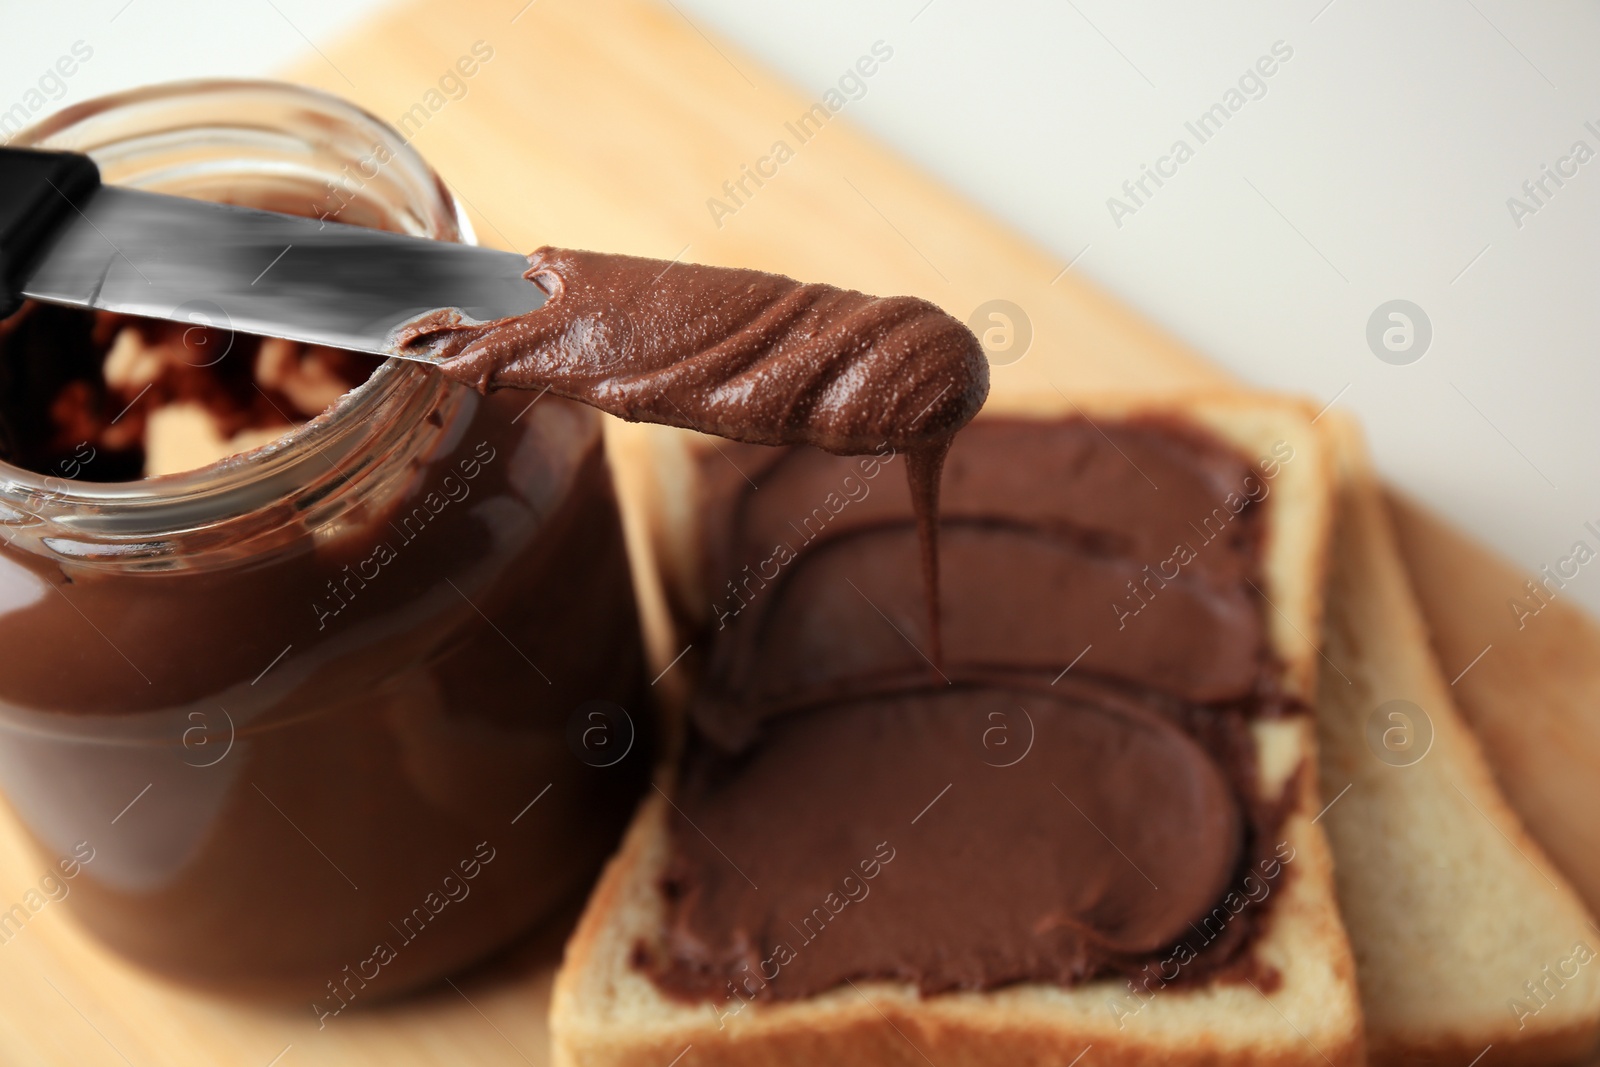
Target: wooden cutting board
x=610, y=124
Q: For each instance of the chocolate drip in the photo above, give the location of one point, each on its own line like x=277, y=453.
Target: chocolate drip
x=924, y=467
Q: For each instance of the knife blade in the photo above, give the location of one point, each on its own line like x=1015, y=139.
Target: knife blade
x=261, y=272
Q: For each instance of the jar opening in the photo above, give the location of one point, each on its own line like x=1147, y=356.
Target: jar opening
x=309, y=427
x=93, y=396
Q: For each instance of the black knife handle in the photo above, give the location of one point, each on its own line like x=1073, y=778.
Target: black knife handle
x=36, y=190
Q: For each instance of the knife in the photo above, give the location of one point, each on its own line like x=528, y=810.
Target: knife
x=67, y=239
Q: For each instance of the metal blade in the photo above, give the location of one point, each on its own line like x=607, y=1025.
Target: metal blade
x=260, y=272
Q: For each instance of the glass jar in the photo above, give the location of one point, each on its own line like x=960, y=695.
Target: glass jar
x=337, y=716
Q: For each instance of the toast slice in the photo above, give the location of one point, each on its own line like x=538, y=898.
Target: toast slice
x=606, y=1012
x=1468, y=942
x=1526, y=660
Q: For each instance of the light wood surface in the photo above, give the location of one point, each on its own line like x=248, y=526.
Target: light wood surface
x=609, y=124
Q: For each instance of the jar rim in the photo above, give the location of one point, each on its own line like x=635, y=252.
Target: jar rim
x=170, y=503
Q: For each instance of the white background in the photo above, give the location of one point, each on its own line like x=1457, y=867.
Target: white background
x=1377, y=166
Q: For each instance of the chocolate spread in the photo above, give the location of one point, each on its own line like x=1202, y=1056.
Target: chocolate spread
x=741, y=354
x=1077, y=795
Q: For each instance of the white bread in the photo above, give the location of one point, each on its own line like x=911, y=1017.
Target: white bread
x=1451, y=907
x=1532, y=693
x=606, y=1013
